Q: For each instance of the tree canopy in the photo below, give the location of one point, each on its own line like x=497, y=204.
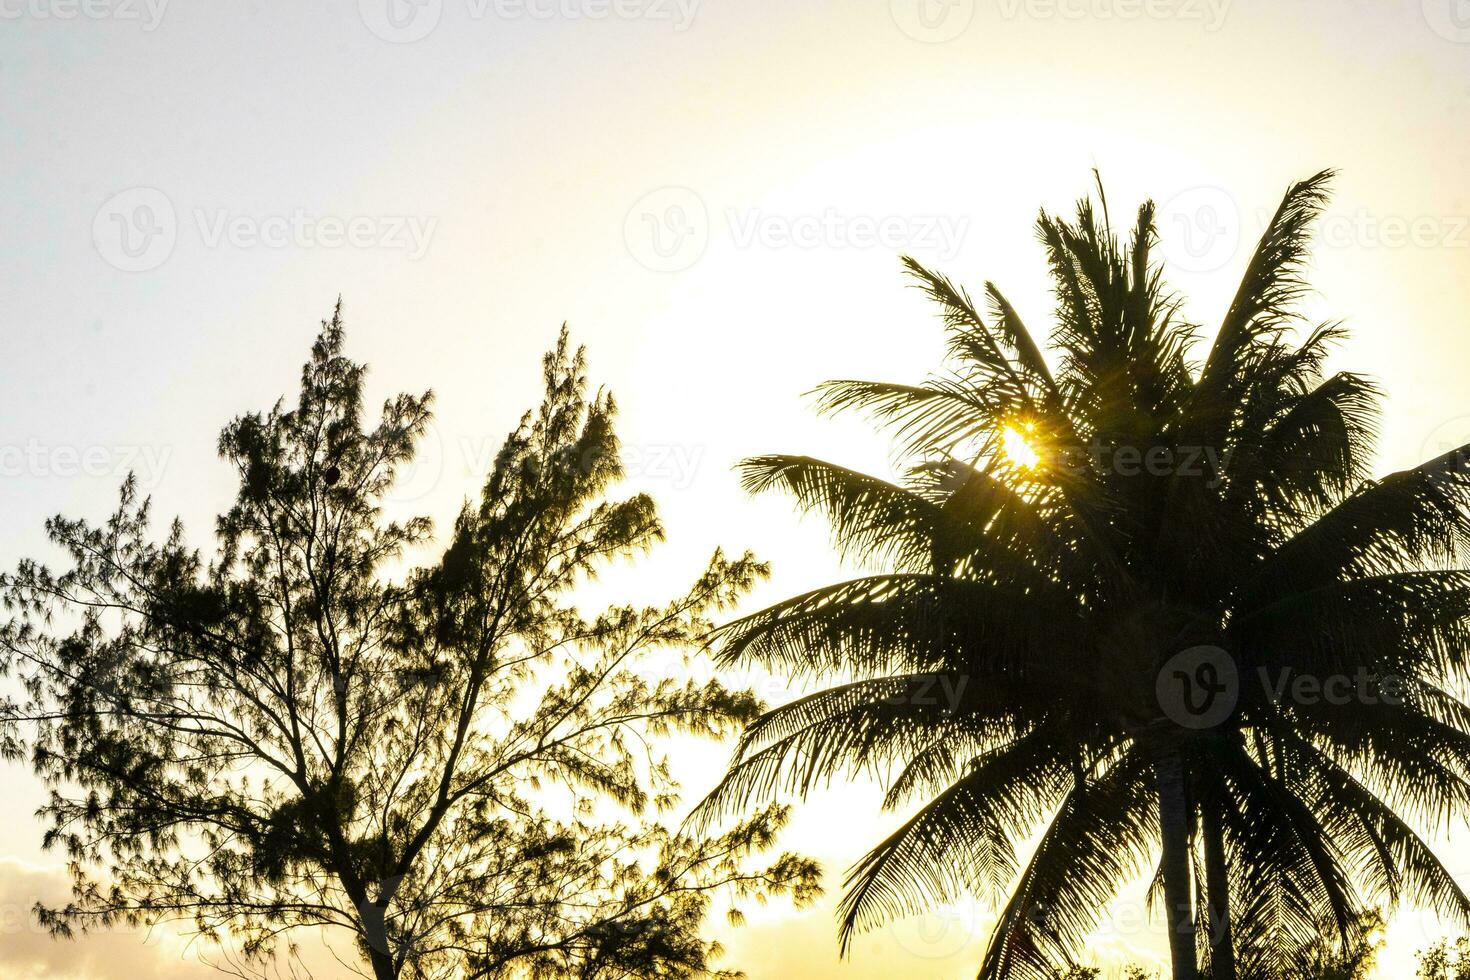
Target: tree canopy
x=330, y=721
x=1074, y=532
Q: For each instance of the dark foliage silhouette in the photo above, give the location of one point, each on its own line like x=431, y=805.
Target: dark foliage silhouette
x=448, y=762
x=1065, y=528
x=1445, y=960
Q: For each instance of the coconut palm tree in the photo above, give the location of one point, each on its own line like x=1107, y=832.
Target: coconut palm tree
x=1117, y=595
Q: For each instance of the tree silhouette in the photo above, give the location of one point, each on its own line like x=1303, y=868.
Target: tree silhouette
x=1445, y=960
x=307, y=730
x=1112, y=557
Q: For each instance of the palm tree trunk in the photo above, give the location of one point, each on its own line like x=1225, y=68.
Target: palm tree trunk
x=1217, y=892
x=1174, y=828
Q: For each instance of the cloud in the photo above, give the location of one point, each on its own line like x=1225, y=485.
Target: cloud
x=27, y=951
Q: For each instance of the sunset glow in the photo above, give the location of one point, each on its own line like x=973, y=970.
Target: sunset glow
x=1018, y=448
x=717, y=198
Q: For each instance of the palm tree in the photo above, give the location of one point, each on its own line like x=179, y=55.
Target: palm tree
x=1074, y=536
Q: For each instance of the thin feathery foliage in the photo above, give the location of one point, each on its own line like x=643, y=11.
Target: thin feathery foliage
x=449, y=762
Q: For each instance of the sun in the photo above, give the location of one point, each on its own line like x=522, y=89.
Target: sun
x=1017, y=449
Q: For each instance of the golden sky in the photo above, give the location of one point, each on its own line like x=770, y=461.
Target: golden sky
x=714, y=194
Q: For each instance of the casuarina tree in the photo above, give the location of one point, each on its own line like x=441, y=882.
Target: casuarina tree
x=330, y=722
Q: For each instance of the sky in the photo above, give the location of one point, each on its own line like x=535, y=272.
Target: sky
x=713, y=194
